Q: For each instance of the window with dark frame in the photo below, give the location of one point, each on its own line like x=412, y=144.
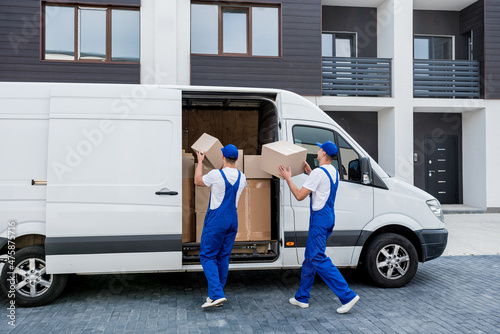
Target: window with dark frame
x=89, y=33
x=433, y=47
x=338, y=44
x=235, y=29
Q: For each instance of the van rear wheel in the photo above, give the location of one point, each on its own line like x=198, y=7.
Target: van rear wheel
x=390, y=260
x=29, y=279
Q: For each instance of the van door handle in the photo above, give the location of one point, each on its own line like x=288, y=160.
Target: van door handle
x=165, y=191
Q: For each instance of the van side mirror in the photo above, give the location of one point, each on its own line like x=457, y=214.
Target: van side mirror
x=366, y=171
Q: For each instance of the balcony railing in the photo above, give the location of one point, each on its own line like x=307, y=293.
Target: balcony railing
x=356, y=76
x=446, y=78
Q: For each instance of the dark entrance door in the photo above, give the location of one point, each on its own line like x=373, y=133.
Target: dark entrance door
x=441, y=168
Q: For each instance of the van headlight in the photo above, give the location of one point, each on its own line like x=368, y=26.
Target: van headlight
x=435, y=207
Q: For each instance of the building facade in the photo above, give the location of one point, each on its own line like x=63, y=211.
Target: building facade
x=415, y=82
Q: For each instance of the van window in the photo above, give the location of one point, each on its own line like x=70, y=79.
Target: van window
x=351, y=169
x=307, y=136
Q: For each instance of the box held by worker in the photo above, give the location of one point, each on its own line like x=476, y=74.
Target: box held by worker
x=212, y=148
x=283, y=153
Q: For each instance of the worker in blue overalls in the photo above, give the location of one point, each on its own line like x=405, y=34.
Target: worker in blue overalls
x=221, y=221
x=321, y=186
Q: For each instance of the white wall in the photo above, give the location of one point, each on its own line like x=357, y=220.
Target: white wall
x=395, y=40
x=165, y=42
x=492, y=180
x=474, y=158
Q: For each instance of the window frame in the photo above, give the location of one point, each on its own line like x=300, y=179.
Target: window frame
x=353, y=36
x=248, y=7
x=431, y=45
x=76, y=7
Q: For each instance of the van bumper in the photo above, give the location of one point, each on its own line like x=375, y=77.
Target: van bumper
x=433, y=243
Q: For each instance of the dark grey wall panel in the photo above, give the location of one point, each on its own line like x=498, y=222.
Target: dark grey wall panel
x=299, y=68
x=427, y=124
x=445, y=23
x=20, y=51
x=472, y=19
x=362, y=126
x=360, y=20
x=492, y=48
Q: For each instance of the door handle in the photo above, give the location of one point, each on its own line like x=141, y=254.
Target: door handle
x=165, y=191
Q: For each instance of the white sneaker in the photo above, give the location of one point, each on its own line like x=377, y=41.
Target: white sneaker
x=295, y=302
x=212, y=303
x=346, y=307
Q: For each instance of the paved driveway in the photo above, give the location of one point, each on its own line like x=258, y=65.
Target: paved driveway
x=456, y=294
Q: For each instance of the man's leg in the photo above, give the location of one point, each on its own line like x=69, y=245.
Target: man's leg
x=325, y=267
x=307, y=275
x=209, y=249
x=223, y=257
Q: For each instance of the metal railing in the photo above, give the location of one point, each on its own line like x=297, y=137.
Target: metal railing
x=446, y=78
x=356, y=76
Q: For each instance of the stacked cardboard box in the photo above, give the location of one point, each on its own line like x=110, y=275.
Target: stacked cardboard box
x=254, y=213
x=188, y=216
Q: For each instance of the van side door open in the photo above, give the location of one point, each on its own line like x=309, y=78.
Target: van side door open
x=114, y=184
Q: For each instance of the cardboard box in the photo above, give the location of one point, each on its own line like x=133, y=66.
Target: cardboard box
x=283, y=153
x=201, y=194
x=252, y=168
x=254, y=213
x=187, y=166
x=239, y=163
x=200, y=218
x=212, y=148
x=188, y=216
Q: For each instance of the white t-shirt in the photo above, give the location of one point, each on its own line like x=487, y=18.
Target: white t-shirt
x=215, y=180
x=319, y=183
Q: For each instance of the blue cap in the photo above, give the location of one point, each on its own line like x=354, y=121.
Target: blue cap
x=329, y=147
x=230, y=151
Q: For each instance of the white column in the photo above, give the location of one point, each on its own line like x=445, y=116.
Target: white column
x=492, y=177
x=395, y=40
x=475, y=177
x=165, y=36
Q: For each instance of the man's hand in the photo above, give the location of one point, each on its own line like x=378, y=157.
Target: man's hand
x=299, y=194
x=286, y=174
x=307, y=168
x=201, y=156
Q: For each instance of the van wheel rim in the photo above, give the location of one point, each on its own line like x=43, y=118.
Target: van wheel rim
x=393, y=261
x=31, y=279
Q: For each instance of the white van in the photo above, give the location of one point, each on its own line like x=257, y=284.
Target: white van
x=90, y=182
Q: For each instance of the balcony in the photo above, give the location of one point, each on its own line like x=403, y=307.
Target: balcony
x=446, y=79
x=356, y=76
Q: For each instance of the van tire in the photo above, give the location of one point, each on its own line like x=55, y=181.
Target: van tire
x=45, y=287
x=390, y=260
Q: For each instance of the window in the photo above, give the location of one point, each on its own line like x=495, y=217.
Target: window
x=433, y=47
x=338, y=45
x=351, y=169
x=307, y=136
x=82, y=33
x=225, y=29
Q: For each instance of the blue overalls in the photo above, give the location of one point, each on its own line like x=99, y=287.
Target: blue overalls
x=217, y=239
x=321, y=225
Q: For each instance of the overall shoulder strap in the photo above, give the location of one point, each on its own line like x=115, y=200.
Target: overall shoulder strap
x=225, y=179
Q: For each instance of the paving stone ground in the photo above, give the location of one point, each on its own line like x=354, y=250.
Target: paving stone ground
x=453, y=294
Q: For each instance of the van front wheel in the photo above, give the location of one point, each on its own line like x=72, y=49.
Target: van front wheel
x=390, y=260
x=26, y=281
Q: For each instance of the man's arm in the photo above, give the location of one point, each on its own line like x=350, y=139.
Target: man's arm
x=300, y=194
x=198, y=172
